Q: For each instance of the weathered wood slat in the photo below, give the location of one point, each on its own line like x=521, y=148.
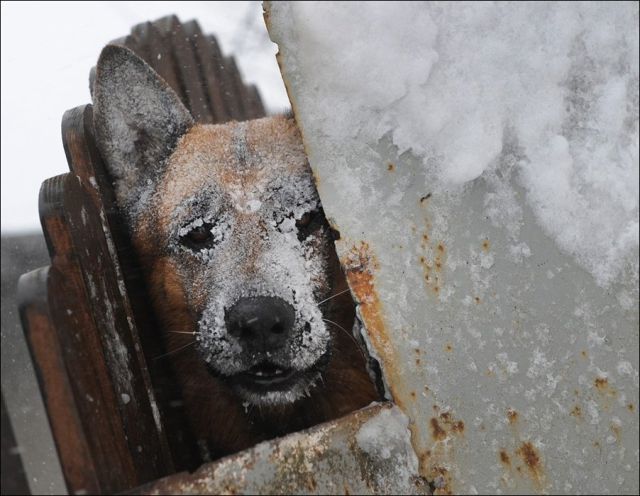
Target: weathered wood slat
x=171, y=429
x=77, y=461
x=64, y=342
x=254, y=102
x=97, y=255
x=231, y=90
x=187, y=70
x=206, y=62
x=159, y=55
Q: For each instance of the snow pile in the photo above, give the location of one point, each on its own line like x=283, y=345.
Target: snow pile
x=463, y=84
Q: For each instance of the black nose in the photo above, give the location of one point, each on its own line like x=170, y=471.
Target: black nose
x=261, y=322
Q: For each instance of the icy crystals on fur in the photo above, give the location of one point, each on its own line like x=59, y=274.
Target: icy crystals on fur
x=250, y=200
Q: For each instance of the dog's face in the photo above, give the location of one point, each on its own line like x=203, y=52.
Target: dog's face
x=240, y=217
x=232, y=211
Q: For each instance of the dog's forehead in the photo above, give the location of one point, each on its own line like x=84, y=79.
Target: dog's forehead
x=238, y=160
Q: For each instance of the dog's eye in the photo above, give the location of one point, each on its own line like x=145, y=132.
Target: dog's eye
x=199, y=237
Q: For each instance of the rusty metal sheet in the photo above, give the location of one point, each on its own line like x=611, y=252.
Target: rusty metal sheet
x=518, y=372
x=367, y=452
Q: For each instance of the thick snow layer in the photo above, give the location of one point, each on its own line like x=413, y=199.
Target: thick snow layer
x=458, y=83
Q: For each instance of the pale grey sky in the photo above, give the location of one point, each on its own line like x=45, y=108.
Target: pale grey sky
x=48, y=49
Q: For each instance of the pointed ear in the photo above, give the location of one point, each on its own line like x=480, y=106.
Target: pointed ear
x=138, y=120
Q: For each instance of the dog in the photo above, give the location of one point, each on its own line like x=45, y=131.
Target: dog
x=238, y=258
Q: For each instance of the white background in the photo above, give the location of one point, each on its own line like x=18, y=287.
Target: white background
x=48, y=49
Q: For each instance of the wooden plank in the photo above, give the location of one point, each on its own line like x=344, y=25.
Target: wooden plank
x=220, y=77
x=76, y=457
x=207, y=60
x=184, y=67
x=233, y=89
x=159, y=55
x=98, y=258
x=254, y=102
x=69, y=362
x=176, y=443
x=189, y=72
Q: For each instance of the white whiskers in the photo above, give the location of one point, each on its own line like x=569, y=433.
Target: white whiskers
x=177, y=349
x=348, y=334
x=333, y=296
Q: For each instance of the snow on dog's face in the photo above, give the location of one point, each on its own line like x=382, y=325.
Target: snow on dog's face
x=228, y=224
x=242, y=222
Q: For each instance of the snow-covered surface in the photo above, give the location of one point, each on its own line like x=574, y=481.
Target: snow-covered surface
x=487, y=156
x=47, y=52
x=456, y=84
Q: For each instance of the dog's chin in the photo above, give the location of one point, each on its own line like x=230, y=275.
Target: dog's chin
x=269, y=385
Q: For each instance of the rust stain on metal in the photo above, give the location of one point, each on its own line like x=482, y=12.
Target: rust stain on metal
x=532, y=460
x=601, y=383
x=603, y=387
x=360, y=266
x=432, y=261
x=439, y=480
x=391, y=167
x=485, y=245
x=576, y=412
x=631, y=407
x=437, y=432
x=504, y=457
x=513, y=416
x=445, y=424
x=436, y=461
x=458, y=427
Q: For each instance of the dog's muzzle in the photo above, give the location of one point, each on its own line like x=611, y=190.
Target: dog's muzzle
x=261, y=324
x=264, y=327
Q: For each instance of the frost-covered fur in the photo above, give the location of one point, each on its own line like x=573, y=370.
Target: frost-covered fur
x=247, y=186
x=251, y=191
